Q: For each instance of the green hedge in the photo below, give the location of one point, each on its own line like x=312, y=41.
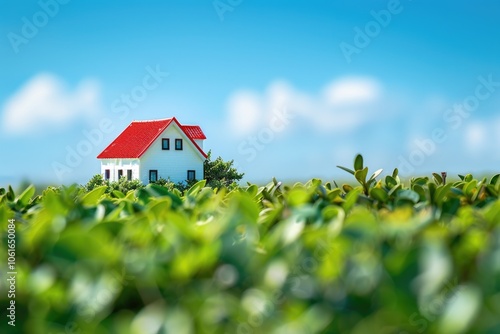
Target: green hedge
x=380, y=257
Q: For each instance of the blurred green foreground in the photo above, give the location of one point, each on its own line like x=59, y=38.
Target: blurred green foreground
x=382, y=257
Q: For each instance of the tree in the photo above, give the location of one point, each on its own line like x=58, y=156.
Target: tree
x=220, y=173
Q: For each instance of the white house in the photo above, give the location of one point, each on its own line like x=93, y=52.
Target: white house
x=148, y=150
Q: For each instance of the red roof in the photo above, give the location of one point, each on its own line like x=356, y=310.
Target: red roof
x=194, y=131
x=139, y=135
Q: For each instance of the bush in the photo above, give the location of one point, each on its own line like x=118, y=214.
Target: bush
x=123, y=185
x=96, y=181
x=378, y=256
x=220, y=173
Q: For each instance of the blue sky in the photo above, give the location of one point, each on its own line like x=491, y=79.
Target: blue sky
x=285, y=88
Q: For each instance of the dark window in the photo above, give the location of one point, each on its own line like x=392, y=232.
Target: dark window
x=106, y=174
x=120, y=173
x=153, y=175
x=129, y=174
x=191, y=175
x=178, y=144
x=165, y=144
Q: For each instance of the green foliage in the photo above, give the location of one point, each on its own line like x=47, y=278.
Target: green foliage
x=361, y=173
x=381, y=256
x=220, y=173
x=122, y=186
x=96, y=181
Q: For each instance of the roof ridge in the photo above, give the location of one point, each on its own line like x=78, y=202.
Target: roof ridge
x=152, y=120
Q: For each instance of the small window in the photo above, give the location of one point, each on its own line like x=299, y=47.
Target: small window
x=191, y=175
x=120, y=173
x=178, y=144
x=106, y=174
x=153, y=175
x=165, y=144
x=129, y=174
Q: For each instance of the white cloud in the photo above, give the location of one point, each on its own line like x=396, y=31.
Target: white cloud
x=352, y=90
x=244, y=111
x=45, y=103
x=475, y=137
x=342, y=105
x=481, y=137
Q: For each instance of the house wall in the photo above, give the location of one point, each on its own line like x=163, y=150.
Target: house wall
x=171, y=164
x=116, y=164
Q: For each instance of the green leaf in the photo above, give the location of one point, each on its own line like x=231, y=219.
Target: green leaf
x=451, y=206
x=492, y=191
x=409, y=195
x=351, y=199
x=358, y=162
x=350, y=171
x=494, y=179
x=420, y=180
x=26, y=195
x=379, y=194
x=431, y=190
x=195, y=189
x=390, y=181
x=374, y=175
x=470, y=187
x=93, y=196
x=298, y=196
x=118, y=194
x=333, y=216
x=456, y=191
x=252, y=190
x=11, y=196
x=395, y=173
x=347, y=188
x=442, y=192
x=420, y=191
x=492, y=214
x=361, y=175
x=395, y=189
x=437, y=178
x=321, y=191
x=333, y=194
